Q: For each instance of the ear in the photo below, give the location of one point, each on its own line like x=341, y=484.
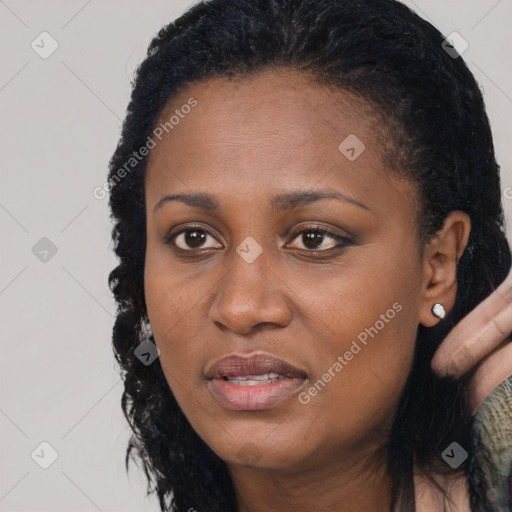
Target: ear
x=440, y=259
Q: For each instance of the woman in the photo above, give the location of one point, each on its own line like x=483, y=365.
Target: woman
x=306, y=201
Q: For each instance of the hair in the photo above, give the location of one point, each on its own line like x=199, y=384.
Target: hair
x=393, y=60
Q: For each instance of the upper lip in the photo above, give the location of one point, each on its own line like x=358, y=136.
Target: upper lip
x=257, y=364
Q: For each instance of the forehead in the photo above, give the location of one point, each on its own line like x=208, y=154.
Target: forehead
x=269, y=131
x=274, y=96
x=281, y=113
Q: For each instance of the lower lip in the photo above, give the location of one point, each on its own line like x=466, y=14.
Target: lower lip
x=254, y=398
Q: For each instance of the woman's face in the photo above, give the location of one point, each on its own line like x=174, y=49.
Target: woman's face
x=249, y=274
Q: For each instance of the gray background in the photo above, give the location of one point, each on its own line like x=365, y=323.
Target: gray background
x=60, y=119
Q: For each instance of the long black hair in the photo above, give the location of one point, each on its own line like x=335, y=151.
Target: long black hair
x=432, y=108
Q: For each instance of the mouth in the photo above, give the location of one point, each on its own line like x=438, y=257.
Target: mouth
x=254, y=380
x=253, y=383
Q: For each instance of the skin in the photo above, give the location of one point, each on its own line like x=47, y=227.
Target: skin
x=481, y=343
x=244, y=143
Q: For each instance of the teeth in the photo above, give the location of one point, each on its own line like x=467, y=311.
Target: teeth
x=254, y=380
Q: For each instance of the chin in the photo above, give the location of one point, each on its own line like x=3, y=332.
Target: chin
x=263, y=452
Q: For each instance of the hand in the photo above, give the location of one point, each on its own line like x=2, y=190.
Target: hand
x=480, y=341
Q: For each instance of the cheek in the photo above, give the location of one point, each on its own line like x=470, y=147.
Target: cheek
x=372, y=368
x=177, y=309
x=169, y=297
x=170, y=306
x=170, y=312
x=369, y=321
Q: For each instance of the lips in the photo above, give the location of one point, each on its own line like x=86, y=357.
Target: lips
x=258, y=364
x=257, y=382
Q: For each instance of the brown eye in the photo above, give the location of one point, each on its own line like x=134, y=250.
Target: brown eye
x=316, y=239
x=192, y=238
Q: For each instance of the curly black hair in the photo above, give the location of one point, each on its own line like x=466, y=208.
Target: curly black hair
x=429, y=102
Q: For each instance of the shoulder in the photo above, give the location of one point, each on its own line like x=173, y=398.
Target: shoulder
x=492, y=432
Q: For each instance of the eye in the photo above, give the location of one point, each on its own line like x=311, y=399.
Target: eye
x=313, y=239
x=191, y=238
x=318, y=239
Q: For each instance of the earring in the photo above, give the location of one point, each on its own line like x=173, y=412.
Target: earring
x=438, y=310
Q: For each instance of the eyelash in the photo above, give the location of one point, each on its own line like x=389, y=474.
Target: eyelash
x=342, y=241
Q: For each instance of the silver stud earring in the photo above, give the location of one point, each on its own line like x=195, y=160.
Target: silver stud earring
x=438, y=310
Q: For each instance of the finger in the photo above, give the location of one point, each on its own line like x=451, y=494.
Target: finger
x=491, y=372
x=472, y=342
x=477, y=334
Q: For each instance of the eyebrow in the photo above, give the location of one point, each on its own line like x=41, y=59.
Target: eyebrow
x=280, y=202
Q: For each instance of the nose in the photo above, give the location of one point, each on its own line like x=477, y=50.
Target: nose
x=249, y=296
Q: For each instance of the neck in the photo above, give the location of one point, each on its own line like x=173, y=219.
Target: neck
x=328, y=487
